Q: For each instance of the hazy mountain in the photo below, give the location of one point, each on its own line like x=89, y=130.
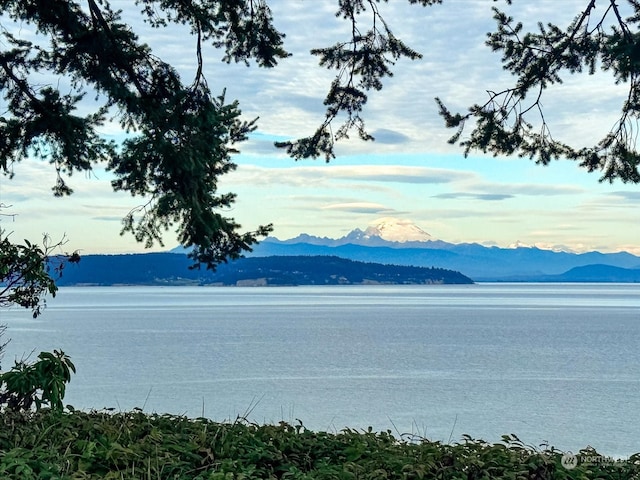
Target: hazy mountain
x=387, y=231
x=600, y=273
x=402, y=243
x=474, y=260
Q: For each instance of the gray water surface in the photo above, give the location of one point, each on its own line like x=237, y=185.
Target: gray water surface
x=547, y=362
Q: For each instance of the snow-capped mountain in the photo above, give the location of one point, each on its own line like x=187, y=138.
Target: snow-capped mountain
x=519, y=244
x=394, y=230
x=384, y=232
x=400, y=242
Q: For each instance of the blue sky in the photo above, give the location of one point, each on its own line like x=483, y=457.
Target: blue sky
x=409, y=173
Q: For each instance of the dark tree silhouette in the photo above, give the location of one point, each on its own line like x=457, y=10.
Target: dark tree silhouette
x=503, y=125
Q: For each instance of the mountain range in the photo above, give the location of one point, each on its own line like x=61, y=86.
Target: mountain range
x=403, y=243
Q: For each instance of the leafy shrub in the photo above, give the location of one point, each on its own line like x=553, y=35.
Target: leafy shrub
x=39, y=384
x=135, y=445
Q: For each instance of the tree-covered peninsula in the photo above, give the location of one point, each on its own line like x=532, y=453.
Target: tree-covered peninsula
x=172, y=269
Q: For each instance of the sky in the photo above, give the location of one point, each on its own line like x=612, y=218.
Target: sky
x=409, y=173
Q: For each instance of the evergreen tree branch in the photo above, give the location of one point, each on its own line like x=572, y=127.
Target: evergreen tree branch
x=362, y=62
x=501, y=125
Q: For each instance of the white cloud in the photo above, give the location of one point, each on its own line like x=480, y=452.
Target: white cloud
x=305, y=176
x=359, y=207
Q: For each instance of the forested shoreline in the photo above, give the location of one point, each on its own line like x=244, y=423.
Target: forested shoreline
x=172, y=269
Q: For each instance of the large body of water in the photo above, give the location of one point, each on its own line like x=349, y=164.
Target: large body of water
x=549, y=363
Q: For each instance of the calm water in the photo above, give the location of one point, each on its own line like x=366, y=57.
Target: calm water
x=550, y=363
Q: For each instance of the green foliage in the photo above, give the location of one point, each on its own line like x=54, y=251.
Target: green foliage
x=25, y=273
x=180, y=136
x=3, y=343
x=28, y=272
x=134, y=445
x=244, y=29
x=503, y=125
x=40, y=384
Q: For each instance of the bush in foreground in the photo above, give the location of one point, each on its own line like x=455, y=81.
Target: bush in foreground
x=135, y=445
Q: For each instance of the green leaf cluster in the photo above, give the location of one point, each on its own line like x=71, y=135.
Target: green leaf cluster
x=135, y=445
x=24, y=275
x=40, y=384
x=28, y=272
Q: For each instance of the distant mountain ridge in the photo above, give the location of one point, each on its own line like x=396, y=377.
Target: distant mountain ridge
x=594, y=273
x=361, y=237
x=387, y=231
x=479, y=262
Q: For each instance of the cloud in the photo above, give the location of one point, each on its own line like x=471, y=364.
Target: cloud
x=108, y=218
x=447, y=214
x=11, y=197
x=529, y=189
x=485, y=191
x=475, y=196
x=632, y=196
x=261, y=146
x=383, y=135
x=306, y=176
x=359, y=207
x=558, y=227
x=631, y=248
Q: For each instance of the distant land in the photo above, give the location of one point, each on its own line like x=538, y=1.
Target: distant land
x=173, y=269
x=406, y=244
x=388, y=253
